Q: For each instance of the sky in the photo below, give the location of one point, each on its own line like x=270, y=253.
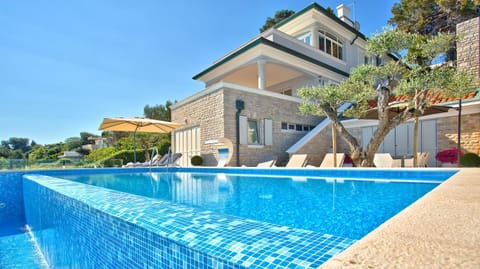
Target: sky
x=66, y=65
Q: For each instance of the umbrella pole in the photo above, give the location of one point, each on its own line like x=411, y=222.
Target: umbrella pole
x=334, y=142
x=134, y=148
x=459, y=130
x=135, y=145
x=415, y=142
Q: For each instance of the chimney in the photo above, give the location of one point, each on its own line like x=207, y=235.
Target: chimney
x=343, y=13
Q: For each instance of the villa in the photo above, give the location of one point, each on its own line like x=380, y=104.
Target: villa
x=261, y=217
x=253, y=90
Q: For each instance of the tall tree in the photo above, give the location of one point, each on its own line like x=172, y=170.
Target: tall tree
x=411, y=77
x=149, y=140
x=280, y=15
x=85, y=137
x=158, y=112
x=73, y=143
x=430, y=17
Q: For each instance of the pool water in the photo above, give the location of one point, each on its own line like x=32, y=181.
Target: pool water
x=346, y=208
x=17, y=249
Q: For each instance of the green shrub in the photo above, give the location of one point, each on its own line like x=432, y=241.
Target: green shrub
x=197, y=160
x=125, y=155
x=470, y=160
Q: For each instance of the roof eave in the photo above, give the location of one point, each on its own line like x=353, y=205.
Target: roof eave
x=262, y=40
x=322, y=10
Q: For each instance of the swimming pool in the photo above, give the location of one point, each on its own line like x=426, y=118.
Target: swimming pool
x=342, y=207
x=197, y=222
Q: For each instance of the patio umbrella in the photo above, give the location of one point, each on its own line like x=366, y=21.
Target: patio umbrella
x=396, y=108
x=135, y=125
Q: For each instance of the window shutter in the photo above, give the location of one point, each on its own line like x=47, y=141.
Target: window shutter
x=243, y=130
x=268, y=132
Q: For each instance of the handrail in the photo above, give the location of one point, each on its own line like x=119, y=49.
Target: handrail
x=152, y=156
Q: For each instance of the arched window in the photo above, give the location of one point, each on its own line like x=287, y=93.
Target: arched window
x=330, y=44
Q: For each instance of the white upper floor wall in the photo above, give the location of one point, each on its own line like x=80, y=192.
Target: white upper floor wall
x=335, y=40
x=312, y=47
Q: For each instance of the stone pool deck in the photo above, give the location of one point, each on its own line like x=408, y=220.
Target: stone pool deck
x=440, y=230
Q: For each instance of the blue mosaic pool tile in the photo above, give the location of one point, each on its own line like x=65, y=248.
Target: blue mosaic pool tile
x=128, y=229
x=17, y=249
x=433, y=174
x=11, y=198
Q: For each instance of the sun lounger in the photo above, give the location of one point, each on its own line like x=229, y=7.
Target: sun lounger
x=269, y=163
x=385, y=160
x=328, y=160
x=172, y=161
x=297, y=160
x=156, y=160
x=422, y=160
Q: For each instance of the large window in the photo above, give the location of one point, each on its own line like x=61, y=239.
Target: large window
x=330, y=44
x=305, y=38
x=255, y=132
x=252, y=132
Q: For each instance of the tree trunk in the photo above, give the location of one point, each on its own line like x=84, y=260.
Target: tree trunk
x=385, y=124
x=415, y=142
x=355, y=149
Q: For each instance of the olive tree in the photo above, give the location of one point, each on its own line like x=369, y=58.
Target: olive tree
x=411, y=75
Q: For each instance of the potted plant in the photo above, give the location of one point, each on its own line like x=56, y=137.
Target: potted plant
x=196, y=160
x=470, y=160
x=448, y=157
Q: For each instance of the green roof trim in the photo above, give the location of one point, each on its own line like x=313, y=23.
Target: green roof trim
x=228, y=58
x=320, y=9
x=262, y=40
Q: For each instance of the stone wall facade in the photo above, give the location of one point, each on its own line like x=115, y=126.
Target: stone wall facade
x=322, y=143
x=215, y=115
x=262, y=107
x=468, y=48
x=206, y=113
x=448, y=134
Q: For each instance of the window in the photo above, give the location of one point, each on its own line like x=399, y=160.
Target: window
x=296, y=127
x=252, y=133
x=374, y=60
x=255, y=132
x=330, y=44
x=305, y=38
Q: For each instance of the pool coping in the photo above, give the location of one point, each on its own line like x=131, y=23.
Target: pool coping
x=440, y=230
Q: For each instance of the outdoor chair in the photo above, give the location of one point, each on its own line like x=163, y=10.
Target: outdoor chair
x=297, y=160
x=174, y=158
x=385, y=160
x=156, y=160
x=269, y=163
x=422, y=160
x=328, y=160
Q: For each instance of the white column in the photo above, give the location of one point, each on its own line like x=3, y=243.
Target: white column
x=315, y=38
x=261, y=74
